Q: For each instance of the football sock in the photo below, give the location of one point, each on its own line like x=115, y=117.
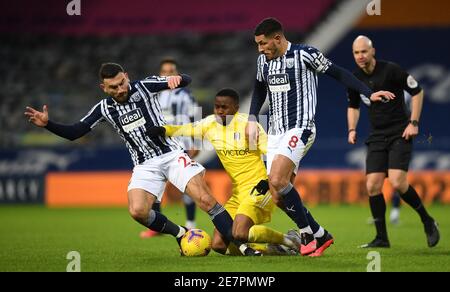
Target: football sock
x=315, y=227
x=190, y=207
x=412, y=198
x=293, y=207
x=378, y=209
x=396, y=200
x=223, y=222
x=158, y=222
x=156, y=207
x=319, y=233
x=264, y=234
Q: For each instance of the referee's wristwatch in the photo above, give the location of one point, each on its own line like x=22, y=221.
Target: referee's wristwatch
x=415, y=123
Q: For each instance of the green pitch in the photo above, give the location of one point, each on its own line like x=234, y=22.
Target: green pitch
x=39, y=239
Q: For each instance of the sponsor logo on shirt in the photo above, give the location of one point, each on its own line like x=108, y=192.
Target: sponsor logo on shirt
x=241, y=152
x=278, y=82
x=132, y=120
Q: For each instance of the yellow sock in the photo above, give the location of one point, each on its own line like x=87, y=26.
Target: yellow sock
x=269, y=249
x=262, y=247
x=264, y=234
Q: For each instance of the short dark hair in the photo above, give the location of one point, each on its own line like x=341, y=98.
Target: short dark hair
x=268, y=27
x=230, y=92
x=109, y=70
x=168, y=61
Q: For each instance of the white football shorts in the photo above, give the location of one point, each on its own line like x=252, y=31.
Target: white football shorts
x=175, y=166
x=294, y=144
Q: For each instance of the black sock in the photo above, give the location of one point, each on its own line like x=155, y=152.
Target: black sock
x=412, y=198
x=222, y=221
x=293, y=206
x=312, y=222
x=190, y=207
x=378, y=209
x=156, y=207
x=396, y=200
x=158, y=222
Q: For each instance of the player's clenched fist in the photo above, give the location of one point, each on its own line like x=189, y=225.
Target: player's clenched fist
x=173, y=81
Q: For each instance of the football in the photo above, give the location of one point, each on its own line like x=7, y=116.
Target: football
x=195, y=242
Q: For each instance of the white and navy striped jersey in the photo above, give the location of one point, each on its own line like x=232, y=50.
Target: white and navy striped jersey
x=178, y=106
x=291, y=86
x=132, y=119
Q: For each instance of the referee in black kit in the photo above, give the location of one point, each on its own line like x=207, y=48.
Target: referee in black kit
x=390, y=140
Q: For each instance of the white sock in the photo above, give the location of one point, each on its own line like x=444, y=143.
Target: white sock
x=307, y=229
x=181, y=232
x=242, y=248
x=319, y=233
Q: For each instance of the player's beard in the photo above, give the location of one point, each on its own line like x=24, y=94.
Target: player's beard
x=123, y=97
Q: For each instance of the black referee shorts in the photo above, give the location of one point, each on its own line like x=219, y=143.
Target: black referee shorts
x=388, y=153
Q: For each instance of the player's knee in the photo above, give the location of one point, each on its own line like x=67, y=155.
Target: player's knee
x=138, y=213
x=374, y=187
x=207, y=202
x=277, y=182
x=399, y=184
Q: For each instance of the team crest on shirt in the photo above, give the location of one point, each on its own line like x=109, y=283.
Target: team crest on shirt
x=132, y=120
x=290, y=63
x=412, y=83
x=278, y=82
x=135, y=97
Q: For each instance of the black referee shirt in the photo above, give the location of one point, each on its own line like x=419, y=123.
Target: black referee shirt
x=386, y=118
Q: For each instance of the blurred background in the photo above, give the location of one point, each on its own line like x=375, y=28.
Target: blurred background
x=50, y=57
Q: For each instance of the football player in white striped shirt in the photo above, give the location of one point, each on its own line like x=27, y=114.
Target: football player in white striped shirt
x=287, y=75
x=132, y=108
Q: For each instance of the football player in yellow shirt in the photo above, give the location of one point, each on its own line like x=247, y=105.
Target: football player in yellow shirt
x=251, y=203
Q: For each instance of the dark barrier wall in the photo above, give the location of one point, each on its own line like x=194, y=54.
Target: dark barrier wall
x=23, y=171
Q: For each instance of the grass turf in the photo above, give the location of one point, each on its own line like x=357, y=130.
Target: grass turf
x=35, y=238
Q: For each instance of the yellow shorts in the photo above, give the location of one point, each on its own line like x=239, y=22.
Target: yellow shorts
x=257, y=207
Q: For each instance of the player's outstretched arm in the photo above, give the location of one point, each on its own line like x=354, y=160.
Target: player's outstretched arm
x=186, y=130
x=181, y=80
x=350, y=81
x=158, y=83
x=70, y=132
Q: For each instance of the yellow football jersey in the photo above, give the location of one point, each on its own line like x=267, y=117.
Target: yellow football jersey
x=245, y=166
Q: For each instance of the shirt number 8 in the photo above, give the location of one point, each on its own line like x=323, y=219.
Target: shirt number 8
x=293, y=141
